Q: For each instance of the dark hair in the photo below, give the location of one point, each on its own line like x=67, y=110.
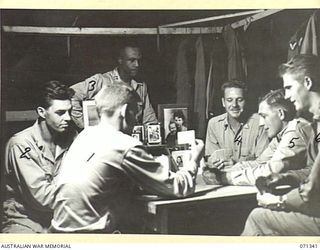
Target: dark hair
x=53, y=90
x=276, y=99
x=234, y=84
x=179, y=113
x=127, y=44
x=112, y=96
x=303, y=65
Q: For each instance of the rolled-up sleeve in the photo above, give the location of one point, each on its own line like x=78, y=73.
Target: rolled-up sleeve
x=156, y=178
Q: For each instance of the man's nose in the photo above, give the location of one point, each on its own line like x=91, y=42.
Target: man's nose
x=235, y=103
x=136, y=63
x=67, y=116
x=262, y=121
x=287, y=94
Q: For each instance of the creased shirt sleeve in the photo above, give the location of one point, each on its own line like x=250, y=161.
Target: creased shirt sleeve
x=155, y=177
x=37, y=190
x=289, y=154
x=212, y=143
x=85, y=90
x=149, y=115
x=262, y=141
x=306, y=198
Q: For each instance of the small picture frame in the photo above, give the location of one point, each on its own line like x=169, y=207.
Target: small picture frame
x=174, y=118
x=153, y=131
x=138, y=132
x=90, y=113
x=180, y=157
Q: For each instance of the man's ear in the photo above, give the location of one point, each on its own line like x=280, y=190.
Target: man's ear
x=223, y=103
x=41, y=112
x=282, y=114
x=123, y=110
x=308, y=83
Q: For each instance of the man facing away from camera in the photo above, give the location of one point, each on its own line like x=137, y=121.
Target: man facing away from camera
x=32, y=162
x=298, y=211
x=126, y=71
x=234, y=130
x=105, y=164
x=288, y=147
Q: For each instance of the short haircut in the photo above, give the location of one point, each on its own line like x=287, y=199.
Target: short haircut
x=276, y=99
x=128, y=44
x=234, y=84
x=53, y=90
x=303, y=65
x=179, y=113
x=113, y=96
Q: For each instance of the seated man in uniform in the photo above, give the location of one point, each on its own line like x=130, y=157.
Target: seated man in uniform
x=286, y=151
x=127, y=69
x=234, y=131
x=298, y=211
x=32, y=160
x=105, y=163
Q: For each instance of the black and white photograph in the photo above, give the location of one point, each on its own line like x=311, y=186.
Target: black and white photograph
x=174, y=118
x=180, y=156
x=138, y=132
x=78, y=84
x=153, y=133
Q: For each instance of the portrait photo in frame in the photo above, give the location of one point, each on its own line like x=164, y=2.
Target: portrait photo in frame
x=153, y=131
x=179, y=157
x=138, y=132
x=174, y=118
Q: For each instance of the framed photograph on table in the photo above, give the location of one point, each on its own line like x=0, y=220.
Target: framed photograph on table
x=174, y=118
x=179, y=157
x=138, y=133
x=90, y=113
x=153, y=133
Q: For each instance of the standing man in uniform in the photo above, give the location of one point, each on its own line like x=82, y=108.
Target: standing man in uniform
x=32, y=161
x=126, y=71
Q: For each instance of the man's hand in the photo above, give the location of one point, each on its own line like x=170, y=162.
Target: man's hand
x=276, y=179
x=211, y=176
x=270, y=201
x=220, y=164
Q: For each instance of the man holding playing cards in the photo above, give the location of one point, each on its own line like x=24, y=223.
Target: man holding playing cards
x=288, y=147
x=234, y=136
x=298, y=211
x=105, y=165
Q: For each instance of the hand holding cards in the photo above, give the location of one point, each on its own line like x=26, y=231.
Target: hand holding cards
x=220, y=158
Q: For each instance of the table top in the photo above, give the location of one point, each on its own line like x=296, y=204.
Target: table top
x=202, y=193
